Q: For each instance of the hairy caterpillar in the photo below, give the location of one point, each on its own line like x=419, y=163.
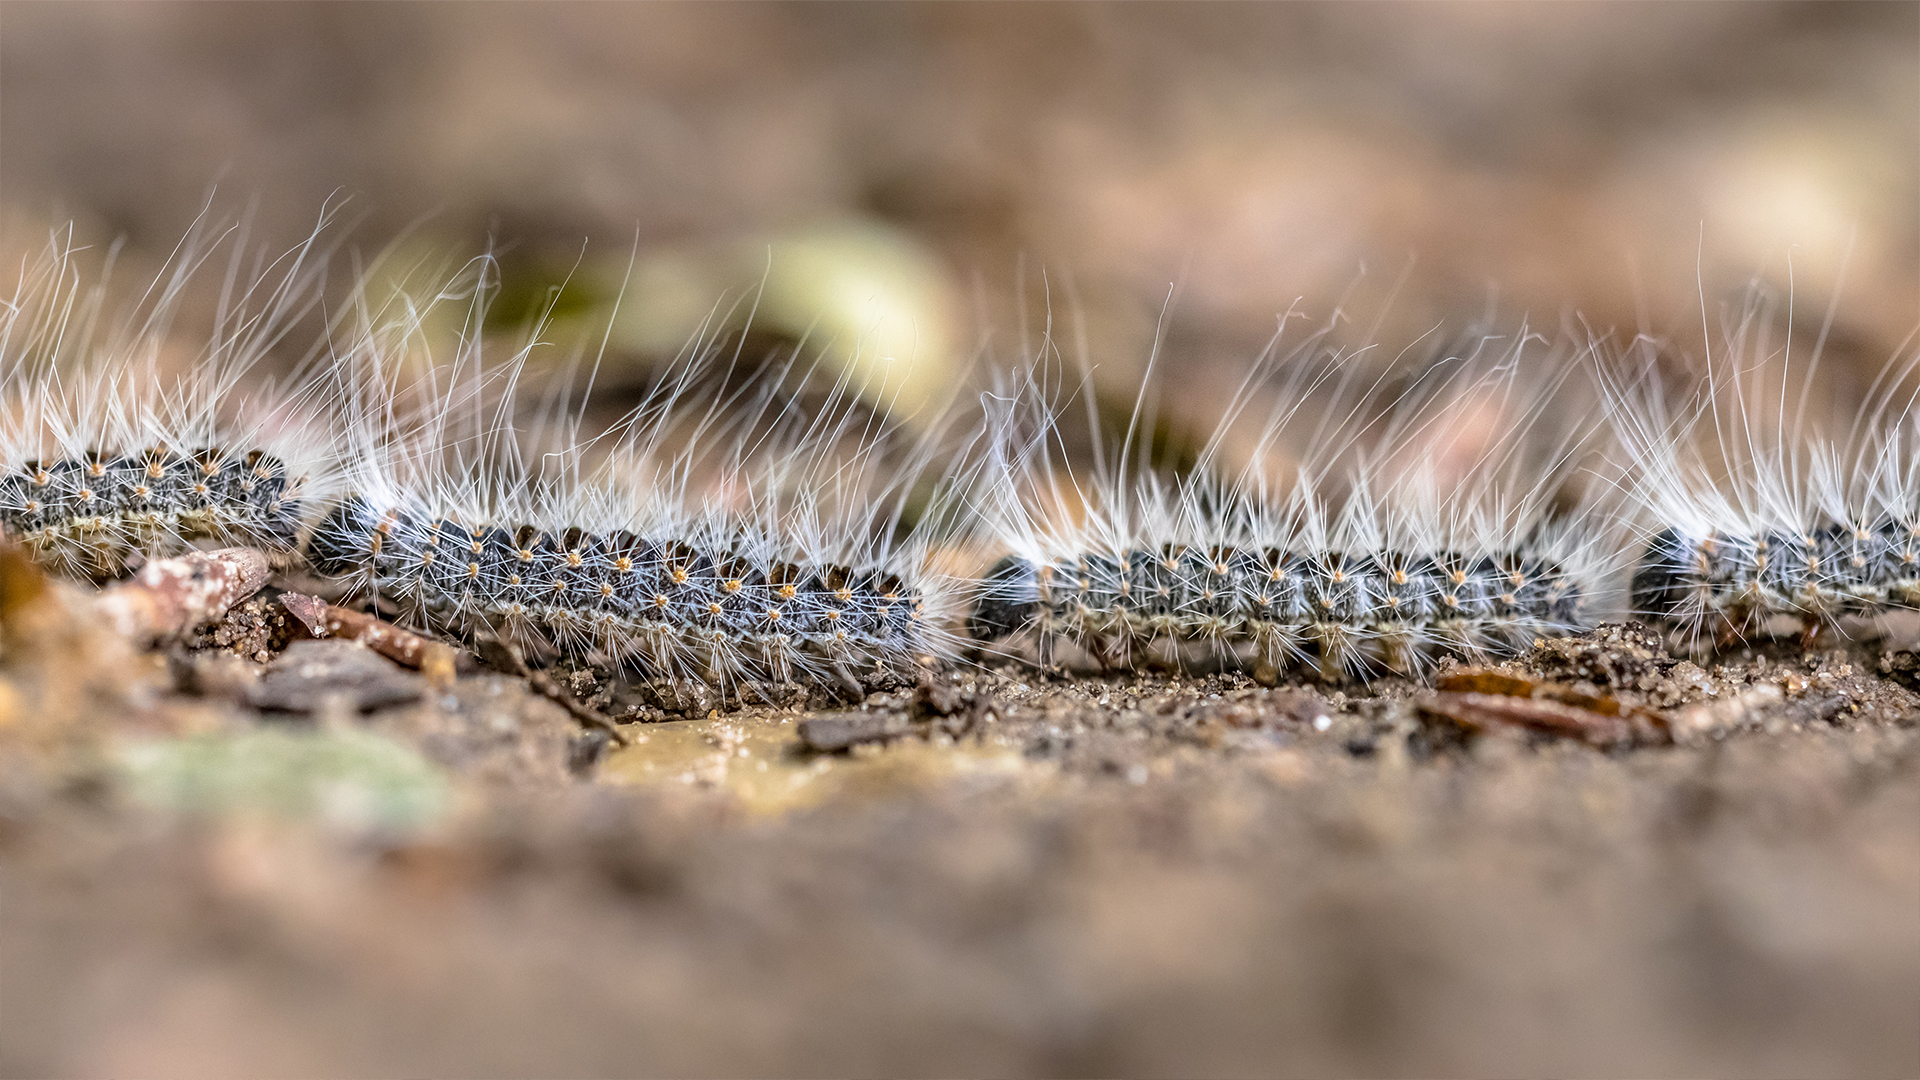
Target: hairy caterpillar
x=730, y=531
x=116, y=446
x=1749, y=511
x=725, y=531
x=1373, y=528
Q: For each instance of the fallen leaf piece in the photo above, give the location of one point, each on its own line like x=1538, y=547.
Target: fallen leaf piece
x=1483, y=711
x=169, y=597
x=1480, y=699
x=1484, y=681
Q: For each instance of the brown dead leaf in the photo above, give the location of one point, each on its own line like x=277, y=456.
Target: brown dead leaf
x=1480, y=699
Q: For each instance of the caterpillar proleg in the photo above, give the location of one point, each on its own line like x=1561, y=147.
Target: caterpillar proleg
x=729, y=530
x=118, y=444
x=1371, y=527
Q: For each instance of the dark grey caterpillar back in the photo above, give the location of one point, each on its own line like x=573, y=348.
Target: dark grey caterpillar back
x=1275, y=611
x=88, y=516
x=1723, y=585
x=661, y=605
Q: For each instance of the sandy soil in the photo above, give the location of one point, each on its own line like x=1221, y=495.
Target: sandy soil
x=1001, y=872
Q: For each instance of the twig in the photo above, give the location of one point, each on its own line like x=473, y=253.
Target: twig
x=437, y=660
x=507, y=657
x=169, y=597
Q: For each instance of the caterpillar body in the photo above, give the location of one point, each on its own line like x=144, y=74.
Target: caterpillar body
x=1748, y=512
x=1376, y=519
x=1420, y=521
x=724, y=608
x=114, y=447
x=733, y=540
x=1274, y=610
x=89, y=516
x=1818, y=573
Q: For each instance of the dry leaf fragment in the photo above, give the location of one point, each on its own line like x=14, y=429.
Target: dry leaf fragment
x=1480, y=699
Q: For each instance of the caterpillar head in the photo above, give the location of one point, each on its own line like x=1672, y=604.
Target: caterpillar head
x=1660, y=581
x=1009, y=600
x=348, y=538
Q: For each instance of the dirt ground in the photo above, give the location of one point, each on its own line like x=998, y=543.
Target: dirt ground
x=999, y=872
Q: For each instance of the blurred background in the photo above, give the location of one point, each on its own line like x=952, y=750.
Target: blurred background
x=928, y=182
